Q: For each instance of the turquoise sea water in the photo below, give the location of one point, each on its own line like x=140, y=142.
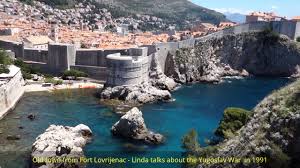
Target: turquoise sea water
x=198, y=106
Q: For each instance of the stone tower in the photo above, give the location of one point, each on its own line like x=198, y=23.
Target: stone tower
x=54, y=32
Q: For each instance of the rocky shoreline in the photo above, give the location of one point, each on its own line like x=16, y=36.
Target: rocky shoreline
x=158, y=88
x=272, y=132
x=58, y=142
x=247, y=54
x=209, y=61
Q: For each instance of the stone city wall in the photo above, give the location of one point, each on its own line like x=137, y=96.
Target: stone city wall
x=99, y=73
x=10, y=93
x=128, y=70
x=35, y=55
x=60, y=57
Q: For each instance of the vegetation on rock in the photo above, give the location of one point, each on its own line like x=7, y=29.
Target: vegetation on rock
x=269, y=36
x=278, y=159
x=233, y=120
x=193, y=150
x=26, y=69
x=190, y=142
x=298, y=39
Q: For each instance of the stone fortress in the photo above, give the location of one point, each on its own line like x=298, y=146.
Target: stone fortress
x=126, y=66
x=128, y=70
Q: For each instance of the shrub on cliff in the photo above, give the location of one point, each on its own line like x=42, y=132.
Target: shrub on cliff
x=233, y=120
x=193, y=150
x=4, y=69
x=190, y=142
x=269, y=36
x=298, y=39
x=73, y=74
x=278, y=159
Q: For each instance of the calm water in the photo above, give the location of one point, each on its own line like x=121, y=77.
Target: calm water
x=197, y=106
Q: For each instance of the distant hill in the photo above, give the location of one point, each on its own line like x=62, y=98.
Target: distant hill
x=172, y=11
x=236, y=17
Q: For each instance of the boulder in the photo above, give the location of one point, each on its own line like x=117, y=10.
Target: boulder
x=31, y=116
x=136, y=94
x=132, y=126
x=61, y=141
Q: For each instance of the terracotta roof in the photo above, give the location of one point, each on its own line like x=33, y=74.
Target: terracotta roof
x=296, y=18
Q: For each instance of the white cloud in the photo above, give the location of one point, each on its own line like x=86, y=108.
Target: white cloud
x=274, y=7
x=233, y=10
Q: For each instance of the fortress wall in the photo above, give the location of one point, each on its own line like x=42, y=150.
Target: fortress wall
x=139, y=52
x=151, y=49
x=186, y=43
x=60, y=57
x=10, y=93
x=90, y=58
x=95, y=57
x=162, y=52
x=121, y=51
x=285, y=27
x=125, y=70
x=35, y=55
x=15, y=47
x=297, y=32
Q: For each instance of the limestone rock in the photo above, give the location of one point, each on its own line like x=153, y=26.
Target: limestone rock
x=137, y=94
x=61, y=141
x=132, y=126
x=234, y=55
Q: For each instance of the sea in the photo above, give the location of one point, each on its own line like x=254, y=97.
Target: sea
x=195, y=106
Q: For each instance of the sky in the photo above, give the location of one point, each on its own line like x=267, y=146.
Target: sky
x=287, y=8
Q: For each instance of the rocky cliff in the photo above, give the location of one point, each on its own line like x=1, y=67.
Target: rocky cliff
x=272, y=132
x=257, y=53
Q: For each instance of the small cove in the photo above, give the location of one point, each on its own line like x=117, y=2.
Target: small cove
x=198, y=106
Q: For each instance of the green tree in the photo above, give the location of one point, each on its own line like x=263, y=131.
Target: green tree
x=233, y=120
x=190, y=142
x=298, y=39
x=5, y=60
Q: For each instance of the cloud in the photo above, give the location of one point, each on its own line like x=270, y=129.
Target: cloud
x=233, y=10
x=274, y=7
